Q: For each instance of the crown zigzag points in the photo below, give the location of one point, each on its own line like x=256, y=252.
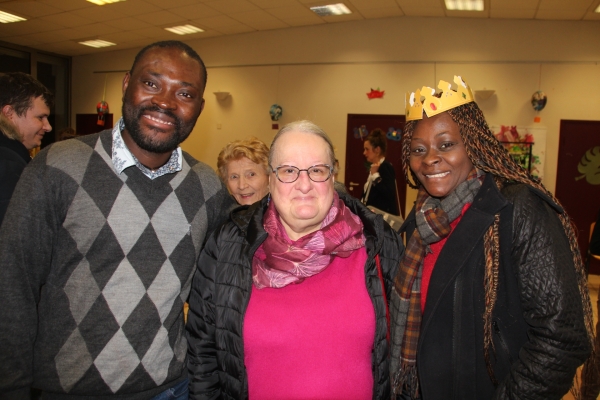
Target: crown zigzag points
x=433, y=105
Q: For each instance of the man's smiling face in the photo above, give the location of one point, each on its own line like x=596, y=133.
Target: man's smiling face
x=162, y=99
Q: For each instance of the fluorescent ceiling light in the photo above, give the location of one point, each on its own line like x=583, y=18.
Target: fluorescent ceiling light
x=464, y=5
x=597, y=9
x=103, y=2
x=5, y=18
x=184, y=29
x=331, y=9
x=97, y=43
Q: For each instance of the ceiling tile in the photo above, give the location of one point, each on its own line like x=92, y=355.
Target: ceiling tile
x=25, y=27
x=68, y=5
x=514, y=4
x=231, y=6
x=235, y=29
x=303, y=21
x=253, y=16
x=65, y=20
x=513, y=13
x=96, y=14
x=171, y=3
x=128, y=23
x=31, y=9
x=292, y=11
x=22, y=41
x=592, y=16
x=384, y=12
x=195, y=11
x=154, y=33
x=468, y=14
x=365, y=4
x=131, y=8
x=422, y=12
x=123, y=37
x=48, y=37
x=161, y=18
x=264, y=4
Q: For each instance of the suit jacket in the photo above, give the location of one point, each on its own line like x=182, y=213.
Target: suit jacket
x=382, y=194
x=13, y=159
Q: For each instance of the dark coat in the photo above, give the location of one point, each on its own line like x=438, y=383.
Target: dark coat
x=383, y=190
x=14, y=157
x=221, y=291
x=539, y=333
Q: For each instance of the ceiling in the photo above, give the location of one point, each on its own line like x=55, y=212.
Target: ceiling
x=58, y=25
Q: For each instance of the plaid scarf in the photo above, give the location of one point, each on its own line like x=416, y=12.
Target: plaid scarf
x=433, y=218
x=280, y=261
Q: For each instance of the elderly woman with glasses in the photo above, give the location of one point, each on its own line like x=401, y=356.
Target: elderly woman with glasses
x=289, y=299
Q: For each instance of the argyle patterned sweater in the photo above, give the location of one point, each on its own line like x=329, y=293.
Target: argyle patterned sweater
x=94, y=270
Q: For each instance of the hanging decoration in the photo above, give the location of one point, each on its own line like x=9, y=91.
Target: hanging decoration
x=375, y=94
x=102, y=107
x=361, y=132
x=276, y=112
x=394, y=134
x=538, y=100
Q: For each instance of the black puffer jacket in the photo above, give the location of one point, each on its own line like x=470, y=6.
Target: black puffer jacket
x=539, y=333
x=221, y=291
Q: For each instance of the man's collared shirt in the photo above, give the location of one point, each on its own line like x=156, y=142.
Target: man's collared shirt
x=122, y=158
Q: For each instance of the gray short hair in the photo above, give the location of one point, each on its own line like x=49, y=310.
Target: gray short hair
x=306, y=127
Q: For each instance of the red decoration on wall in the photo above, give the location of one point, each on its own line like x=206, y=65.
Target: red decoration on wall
x=375, y=94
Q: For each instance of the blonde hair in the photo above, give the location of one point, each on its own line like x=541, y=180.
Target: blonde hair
x=252, y=148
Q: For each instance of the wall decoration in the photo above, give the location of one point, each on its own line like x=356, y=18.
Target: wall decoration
x=102, y=109
x=527, y=145
x=589, y=166
x=375, y=94
x=394, y=134
x=539, y=100
x=276, y=111
x=361, y=132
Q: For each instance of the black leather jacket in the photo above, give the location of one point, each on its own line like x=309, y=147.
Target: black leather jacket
x=538, y=327
x=221, y=291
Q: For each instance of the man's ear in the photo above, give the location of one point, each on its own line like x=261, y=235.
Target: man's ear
x=126, y=79
x=202, y=105
x=8, y=111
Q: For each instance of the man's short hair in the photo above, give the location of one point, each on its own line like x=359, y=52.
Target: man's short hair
x=169, y=44
x=18, y=90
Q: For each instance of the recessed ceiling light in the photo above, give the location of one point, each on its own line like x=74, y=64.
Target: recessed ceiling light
x=597, y=9
x=331, y=9
x=184, y=29
x=5, y=18
x=97, y=43
x=464, y=5
x=103, y=2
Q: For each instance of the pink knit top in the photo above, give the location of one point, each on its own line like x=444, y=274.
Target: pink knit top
x=312, y=340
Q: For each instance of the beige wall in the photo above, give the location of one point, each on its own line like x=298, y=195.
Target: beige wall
x=323, y=72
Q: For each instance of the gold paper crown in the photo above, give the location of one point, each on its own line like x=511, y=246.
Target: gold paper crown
x=434, y=105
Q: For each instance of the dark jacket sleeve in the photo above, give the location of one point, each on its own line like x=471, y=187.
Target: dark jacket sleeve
x=201, y=329
x=551, y=303
x=595, y=240
x=383, y=190
x=26, y=239
x=11, y=168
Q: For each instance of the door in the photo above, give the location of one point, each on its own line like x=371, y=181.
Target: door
x=357, y=168
x=578, y=177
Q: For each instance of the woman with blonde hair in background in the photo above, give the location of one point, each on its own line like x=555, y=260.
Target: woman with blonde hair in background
x=243, y=167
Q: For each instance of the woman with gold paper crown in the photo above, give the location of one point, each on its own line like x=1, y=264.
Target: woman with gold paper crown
x=491, y=300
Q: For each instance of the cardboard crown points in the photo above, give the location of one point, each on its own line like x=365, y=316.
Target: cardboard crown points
x=433, y=105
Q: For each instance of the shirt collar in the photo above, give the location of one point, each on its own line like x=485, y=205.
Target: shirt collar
x=122, y=158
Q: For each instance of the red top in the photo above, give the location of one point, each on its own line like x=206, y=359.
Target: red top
x=431, y=258
x=312, y=340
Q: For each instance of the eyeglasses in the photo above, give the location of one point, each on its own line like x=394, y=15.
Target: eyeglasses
x=290, y=174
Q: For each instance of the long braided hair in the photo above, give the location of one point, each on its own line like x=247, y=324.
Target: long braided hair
x=488, y=154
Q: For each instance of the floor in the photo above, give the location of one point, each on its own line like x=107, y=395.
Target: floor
x=594, y=285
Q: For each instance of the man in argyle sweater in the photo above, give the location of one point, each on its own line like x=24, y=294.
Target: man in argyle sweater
x=99, y=245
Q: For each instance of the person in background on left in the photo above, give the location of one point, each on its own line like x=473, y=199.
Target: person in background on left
x=24, y=109
x=380, y=188
x=243, y=166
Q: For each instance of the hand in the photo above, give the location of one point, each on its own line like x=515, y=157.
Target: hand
x=374, y=168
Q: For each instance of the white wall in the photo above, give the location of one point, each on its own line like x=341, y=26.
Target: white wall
x=323, y=72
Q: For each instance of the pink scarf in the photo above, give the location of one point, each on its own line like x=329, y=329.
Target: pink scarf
x=291, y=261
